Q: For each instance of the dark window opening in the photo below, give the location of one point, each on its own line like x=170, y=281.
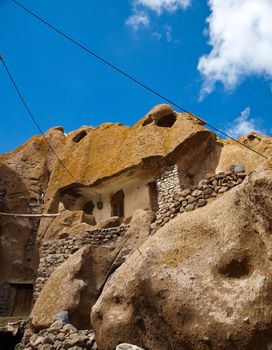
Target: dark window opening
x=153, y=195
x=167, y=121
x=117, y=204
x=20, y=299
x=80, y=136
x=88, y=208
x=99, y=205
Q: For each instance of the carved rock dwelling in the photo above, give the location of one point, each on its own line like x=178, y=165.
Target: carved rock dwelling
x=67, y=236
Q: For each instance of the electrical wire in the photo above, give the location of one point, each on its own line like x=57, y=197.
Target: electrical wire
x=33, y=118
x=103, y=60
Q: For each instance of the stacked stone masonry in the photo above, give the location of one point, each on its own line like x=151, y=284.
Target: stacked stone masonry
x=167, y=185
x=54, y=253
x=197, y=196
x=59, y=336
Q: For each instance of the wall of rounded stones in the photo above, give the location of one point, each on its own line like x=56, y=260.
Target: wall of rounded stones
x=167, y=184
x=55, y=252
x=58, y=336
x=197, y=196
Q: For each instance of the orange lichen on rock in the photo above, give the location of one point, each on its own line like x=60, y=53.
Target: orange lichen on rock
x=110, y=148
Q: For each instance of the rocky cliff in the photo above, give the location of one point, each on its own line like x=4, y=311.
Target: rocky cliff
x=189, y=269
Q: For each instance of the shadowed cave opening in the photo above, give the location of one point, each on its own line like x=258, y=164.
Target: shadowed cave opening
x=166, y=121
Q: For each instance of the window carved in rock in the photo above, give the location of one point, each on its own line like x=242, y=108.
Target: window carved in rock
x=88, y=208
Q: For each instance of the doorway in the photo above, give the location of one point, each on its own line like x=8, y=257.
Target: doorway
x=117, y=204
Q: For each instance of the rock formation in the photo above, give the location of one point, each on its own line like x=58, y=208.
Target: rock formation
x=155, y=235
x=203, y=281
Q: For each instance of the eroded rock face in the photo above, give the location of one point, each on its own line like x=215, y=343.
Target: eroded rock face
x=194, y=255
x=24, y=175
x=203, y=281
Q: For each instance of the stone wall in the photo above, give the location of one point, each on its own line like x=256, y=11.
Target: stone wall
x=167, y=185
x=55, y=252
x=58, y=336
x=197, y=196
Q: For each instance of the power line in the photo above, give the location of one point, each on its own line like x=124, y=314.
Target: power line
x=103, y=60
x=33, y=118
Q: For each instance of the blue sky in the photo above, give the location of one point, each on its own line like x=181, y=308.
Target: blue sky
x=221, y=70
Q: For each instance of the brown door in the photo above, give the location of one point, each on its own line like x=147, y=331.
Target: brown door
x=117, y=204
x=22, y=300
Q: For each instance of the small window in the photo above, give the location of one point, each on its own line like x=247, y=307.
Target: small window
x=166, y=121
x=117, y=204
x=79, y=136
x=88, y=208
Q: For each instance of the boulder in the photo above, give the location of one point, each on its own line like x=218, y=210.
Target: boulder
x=73, y=286
x=135, y=236
x=139, y=229
x=114, y=221
x=70, y=223
x=203, y=281
x=61, y=292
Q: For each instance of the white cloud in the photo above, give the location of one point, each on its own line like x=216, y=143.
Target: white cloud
x=140, y=17
x=240, y=33
x=163, y=5
x=137, y=20
x=156, y=35
x=243, y=125
x=168, y=33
